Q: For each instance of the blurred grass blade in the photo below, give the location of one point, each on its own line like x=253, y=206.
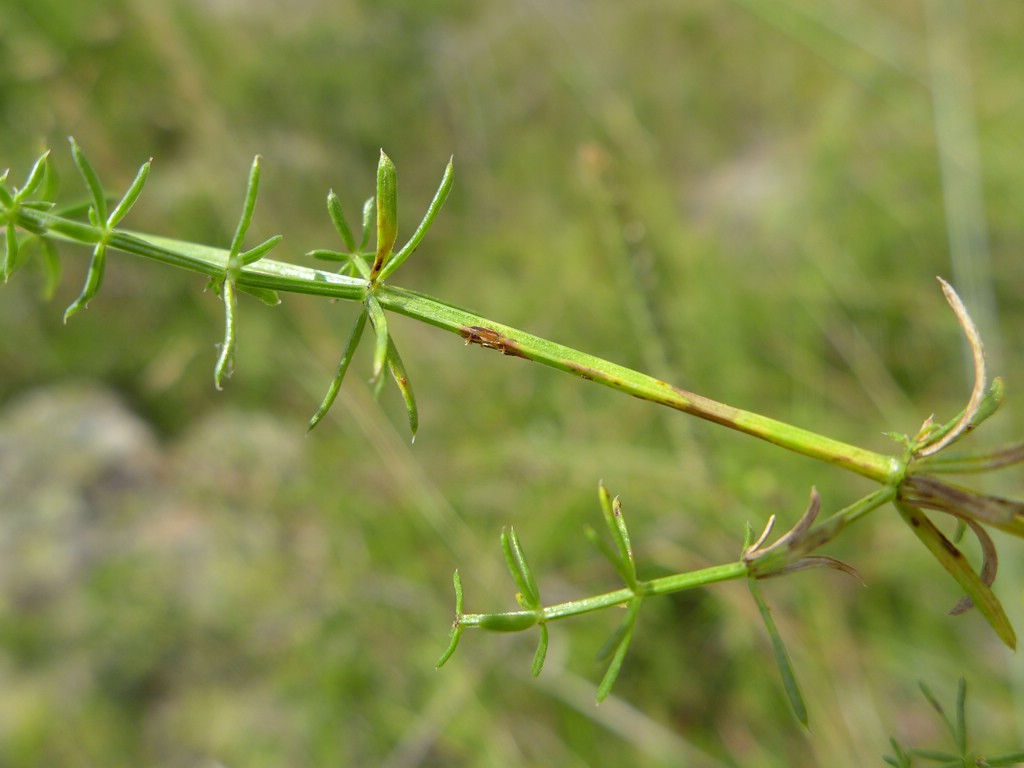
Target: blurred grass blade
x=961, y=716
x=339, y=376
x=956, y=565
x=782, y=660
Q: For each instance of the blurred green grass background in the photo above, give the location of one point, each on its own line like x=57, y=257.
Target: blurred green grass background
x=749, y=199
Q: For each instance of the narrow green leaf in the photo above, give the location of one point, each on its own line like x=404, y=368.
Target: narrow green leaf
x=6, y=198
x=902, y=759
x=541, y=653
x=35, y=176
x=932, y=493
x=611, y=511
x=226, y=358
x=961, y=463
x=93, y=280
x=428, y=219
x=953, y=761
x=51, y=181
x=327, y=255
x=782, y=660
x=515, y=560
x=126, y=203
x=361, y=265
x=611, y=554
x=38, y=205
x=10, y=250
x=377, y=385
x=453, y=641
x=1010, y=758
x=92, y=181
x=338, y=218
x=383, y=342
x=621, y=557
x=625, y=635
x=401, y=377
x=251, y=191
x=352, y=263
x=74, y=210
x=266, y=295
x=51, y=268
x=387, y=211
x=339, y=376
x=621, y=535
x=956, y=565
x=255, y=254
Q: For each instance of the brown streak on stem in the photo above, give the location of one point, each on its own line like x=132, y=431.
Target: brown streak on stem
x=488, y=338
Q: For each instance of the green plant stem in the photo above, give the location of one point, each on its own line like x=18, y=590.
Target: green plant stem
x=661, y=586
x=513, y=342
x=280, y=276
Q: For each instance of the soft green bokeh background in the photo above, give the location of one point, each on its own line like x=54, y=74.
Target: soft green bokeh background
x=747, y=198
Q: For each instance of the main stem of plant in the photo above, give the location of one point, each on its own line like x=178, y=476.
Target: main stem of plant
x=285, y=277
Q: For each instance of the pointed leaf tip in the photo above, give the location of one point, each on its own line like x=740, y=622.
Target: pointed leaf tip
x=387, y=211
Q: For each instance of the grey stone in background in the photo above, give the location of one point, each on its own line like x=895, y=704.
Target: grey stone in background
x=83, y=479
x=69, y=457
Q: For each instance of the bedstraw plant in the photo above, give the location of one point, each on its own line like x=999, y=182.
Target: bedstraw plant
x=911, y=478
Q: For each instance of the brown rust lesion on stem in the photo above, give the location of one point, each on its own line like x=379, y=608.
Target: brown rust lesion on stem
x=488, y=338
